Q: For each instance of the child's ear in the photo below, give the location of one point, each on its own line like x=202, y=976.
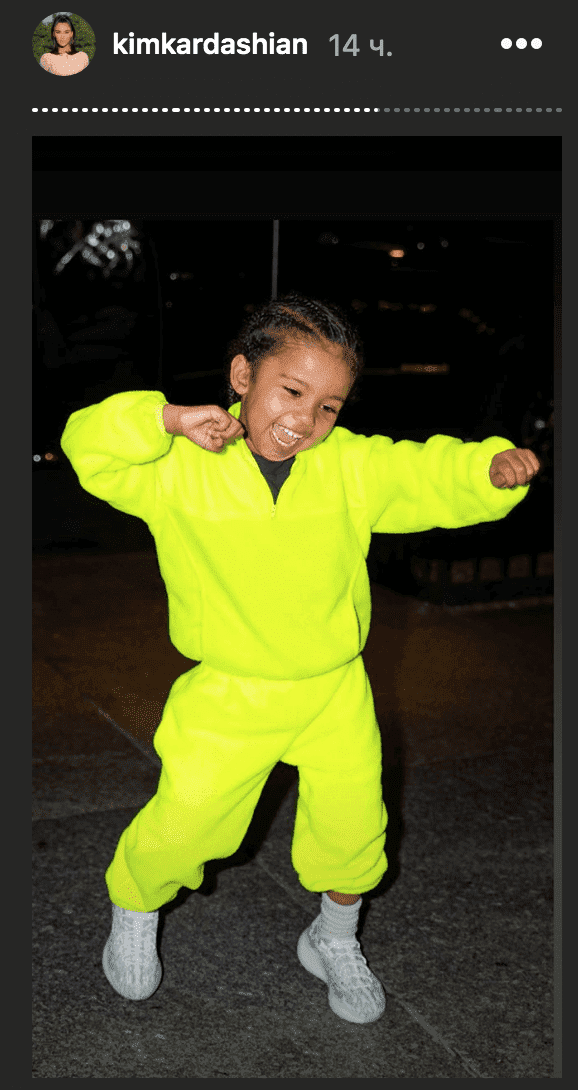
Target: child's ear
x=239, y=374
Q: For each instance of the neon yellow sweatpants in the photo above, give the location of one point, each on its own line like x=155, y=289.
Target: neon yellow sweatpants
x=218, y=740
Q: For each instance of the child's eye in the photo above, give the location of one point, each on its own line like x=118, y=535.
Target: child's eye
x=328, y=408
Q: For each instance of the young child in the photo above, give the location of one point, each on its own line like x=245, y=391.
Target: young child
x=262, y=518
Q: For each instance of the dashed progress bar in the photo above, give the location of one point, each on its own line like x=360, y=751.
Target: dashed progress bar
x=296, y=109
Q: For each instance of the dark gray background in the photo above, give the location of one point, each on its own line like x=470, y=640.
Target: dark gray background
x=442, y=55
x=439, y=80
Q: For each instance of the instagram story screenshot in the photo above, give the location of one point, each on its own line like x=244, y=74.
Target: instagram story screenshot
x=290, y=355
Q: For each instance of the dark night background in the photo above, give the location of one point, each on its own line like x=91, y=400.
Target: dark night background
x=474, y=302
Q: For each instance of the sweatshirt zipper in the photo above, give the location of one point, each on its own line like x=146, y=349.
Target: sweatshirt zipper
x=275, y=502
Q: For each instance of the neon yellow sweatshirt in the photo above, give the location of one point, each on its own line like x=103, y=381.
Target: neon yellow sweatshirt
x=264, y=588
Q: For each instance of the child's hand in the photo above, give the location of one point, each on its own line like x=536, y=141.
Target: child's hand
x=208, y=426
x=510, y=468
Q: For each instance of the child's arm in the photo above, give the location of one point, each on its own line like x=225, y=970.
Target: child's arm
x=414, y=487
x=114, y=446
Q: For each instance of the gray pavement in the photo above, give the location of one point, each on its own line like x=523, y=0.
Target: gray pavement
x=459, y=932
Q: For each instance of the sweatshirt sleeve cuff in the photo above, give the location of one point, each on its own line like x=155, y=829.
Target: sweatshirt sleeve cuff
x=159, y=417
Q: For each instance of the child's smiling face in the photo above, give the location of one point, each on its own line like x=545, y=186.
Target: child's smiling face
x=300, y=389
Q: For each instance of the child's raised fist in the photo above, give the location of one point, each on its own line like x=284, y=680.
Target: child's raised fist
x=209, y=426
x=511, y=468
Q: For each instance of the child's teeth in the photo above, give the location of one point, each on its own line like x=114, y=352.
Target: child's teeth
x=286, y=432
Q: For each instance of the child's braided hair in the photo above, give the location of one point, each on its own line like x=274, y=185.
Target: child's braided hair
x=271, y=324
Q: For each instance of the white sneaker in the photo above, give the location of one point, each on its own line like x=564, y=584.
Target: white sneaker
x=130, y=960
x=355, y=993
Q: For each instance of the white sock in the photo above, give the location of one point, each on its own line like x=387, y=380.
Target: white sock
x=339, y=921
x=119, y=913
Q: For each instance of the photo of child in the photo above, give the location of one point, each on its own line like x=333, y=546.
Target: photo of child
x=268, y=688
x=63, y=44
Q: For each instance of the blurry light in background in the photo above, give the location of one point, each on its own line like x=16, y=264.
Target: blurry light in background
x=444, y=242
x=36, y=458
x=174, y=276
x=122, y=243
x=397, y=253
x=91, y=257
x=421, y=245
x=481, y=327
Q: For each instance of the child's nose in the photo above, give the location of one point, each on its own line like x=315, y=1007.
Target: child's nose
x=305, y=423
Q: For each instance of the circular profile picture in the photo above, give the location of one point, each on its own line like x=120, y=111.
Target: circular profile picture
x=63, y=44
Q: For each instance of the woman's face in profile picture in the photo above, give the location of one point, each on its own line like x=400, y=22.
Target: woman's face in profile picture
x=63, y=35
